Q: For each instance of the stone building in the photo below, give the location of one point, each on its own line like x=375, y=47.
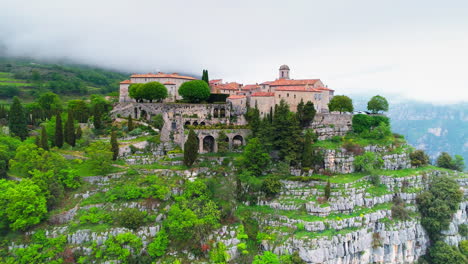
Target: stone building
x=172, y=82
x=267, y=94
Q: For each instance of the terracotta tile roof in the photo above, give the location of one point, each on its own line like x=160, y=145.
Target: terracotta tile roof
x=283, y=82
x=251, y=87
x=215, y=81
x=302, y=88
x=234, y=96
x=169, y=83
x=324, y=89
x=229, y=86
x=126, y=81
x=263, y=94
x=162, y=75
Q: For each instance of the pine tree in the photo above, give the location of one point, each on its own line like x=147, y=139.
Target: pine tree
x=191, y=148
x=70, y=130
x=130, y=123
x=79, y=133
x=205, y=76
x=17, y=119
x=114, y=146
x=286, y=133
x=44, y=141
x=58, y=131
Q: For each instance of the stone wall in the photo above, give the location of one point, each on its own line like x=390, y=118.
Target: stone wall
x=328, y=125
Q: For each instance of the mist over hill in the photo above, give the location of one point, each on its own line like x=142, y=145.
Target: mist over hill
x=433, y=128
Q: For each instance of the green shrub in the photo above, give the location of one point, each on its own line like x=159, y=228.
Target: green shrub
x=271, y=186
x=131, y=218
x=267, y=258
x=368, y=162
x=118, y=247
x=95, y=215
x=464, y=247
x=441, y=253
x=463, y=230
x=218, y=253
x=419, y=158
x=158, y=247
x=327, y=190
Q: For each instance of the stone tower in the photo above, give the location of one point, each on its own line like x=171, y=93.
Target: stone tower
x=284, y=72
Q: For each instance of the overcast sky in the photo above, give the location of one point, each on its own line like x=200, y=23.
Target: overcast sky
x=409, y=48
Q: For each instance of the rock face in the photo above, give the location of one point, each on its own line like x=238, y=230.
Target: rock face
x=327, y=126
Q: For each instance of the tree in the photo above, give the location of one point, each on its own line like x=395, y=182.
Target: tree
x=130, y=123
x=191, y=148
x=157, y=121
x=17, y=119
x=305, y=113
x=135, y=91
x=286, y=133
x=458, y=163
x=368, y=162
x=22, y=204
x=341, y=103
x=195, y=91
x=377, y=103
x=308, y=151
x=44, y=141
x=99, y=157
x=69, y=132
x=8, y=146
x=153, y=91
x=114, y=145
x=79, y=132
x=158, y=247
x=223, y=142
x=253, y=117
x=79, y=109
x=327, y=190
x=441, y=253
x=255, y=159
x=438, y=204
x=58, y=131
x=50, y=103
x=419, y=158
x=205, y=76
x=446, y=161
x=267, y=258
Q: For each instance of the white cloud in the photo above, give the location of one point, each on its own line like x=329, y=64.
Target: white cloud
x=415, y=49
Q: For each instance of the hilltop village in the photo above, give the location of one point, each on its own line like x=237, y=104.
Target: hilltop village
x=177, y=170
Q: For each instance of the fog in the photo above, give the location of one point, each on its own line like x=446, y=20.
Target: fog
x=409, y=49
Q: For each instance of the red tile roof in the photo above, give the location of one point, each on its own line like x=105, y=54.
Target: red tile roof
x=263, y=94
x=283, y=82
x=233, y=96
x=215, y=81
x=162, y=75
x=229, y=86
x=296, y=89
x=126, y=81
x=324, y=89
x=251, y=87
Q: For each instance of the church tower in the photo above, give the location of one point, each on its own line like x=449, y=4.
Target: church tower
x=284, y=72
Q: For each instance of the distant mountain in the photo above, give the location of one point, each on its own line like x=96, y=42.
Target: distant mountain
x=433, y=128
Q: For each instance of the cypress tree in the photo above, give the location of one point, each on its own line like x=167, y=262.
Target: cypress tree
x=44, y=141
x=191, y=148
x=97, y=122
x=327, y=190
x=79, y=133
x=307, y=152
x=130, y=123
x=114, y=146
x=17, y=120
x=58, y=131
x=70, y=130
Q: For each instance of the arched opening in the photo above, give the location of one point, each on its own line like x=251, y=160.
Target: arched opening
x=195, y=123
x=143, y=114
x=187, y=123
x=136, y=112
x=215, y=113
x=208, y=144
x=237, y=141
x=174, y=125
x=202, y=124
x=222, y=113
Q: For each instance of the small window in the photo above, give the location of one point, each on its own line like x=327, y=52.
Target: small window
x=287, y=95
x=294, y=96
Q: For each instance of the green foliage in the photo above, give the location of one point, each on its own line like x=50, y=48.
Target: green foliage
x=40, y=250
x=445, y=161
x=218, y=254
x=69, y=132
x=463, y=230
x=118, y=247
x=438, y=204
x=341, y=103
x=365, y=123
x=44, y=141
x=464, y=247
x=419, y=158
x=79, y=109
x=223, y=142
x=157, y=121
x=131, y=218
x=99, y=157
x=291, y=259
x=8, y=146
x=205, y=76
x=271, y=186
x=50, y=103
x=96, y=215
x=195, y=91
x=158, y=246
x=286, y=133
x=267, y=258
x=308, y=151
x=135, y=91
x=398, y=209
x=327, y=190
x=22, y=204
x=368, y=162
x=114, y=145
x=191, y=148
x=253, y=117
x=254, y=157
x=17, y=119
x=305, y=113
x=441, y=253
x=153, y=91
x=58, y=131
x=377, y=103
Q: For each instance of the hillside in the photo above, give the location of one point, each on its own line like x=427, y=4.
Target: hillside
x=27, y=78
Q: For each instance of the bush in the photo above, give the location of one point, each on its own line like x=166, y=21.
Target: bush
x=419, y=158
x=327, y=190
x=158, y=247
x=365, y=123
x=131, y=218
x=445, y=161
x=271, y=186
x=464, y=247
x=441, y=253
x=377, y=104
x=96, y=215
x=368, y=162
x=195, y=91
x=463, y=230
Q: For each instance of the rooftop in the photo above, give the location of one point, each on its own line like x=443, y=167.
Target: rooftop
x=233, y=96
x=162, y=75
x=263, y=94
x=284, y=82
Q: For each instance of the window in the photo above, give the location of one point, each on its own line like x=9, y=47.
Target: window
x=287, y=95
x=294, y=96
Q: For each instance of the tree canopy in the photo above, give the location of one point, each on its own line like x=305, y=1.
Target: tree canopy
x=377, y=103
x=195, y=91
x=341, y=103
x=153, y=91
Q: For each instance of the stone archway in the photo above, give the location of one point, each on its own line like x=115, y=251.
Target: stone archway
x=187, y=123
x=237, y=141
x=209, y=144
x=202, y=123
x=195, y=123
x=222, y=112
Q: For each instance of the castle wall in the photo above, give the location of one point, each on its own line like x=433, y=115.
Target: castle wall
x=263, y=103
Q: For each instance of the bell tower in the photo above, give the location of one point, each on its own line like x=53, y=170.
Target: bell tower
x=284, y=72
